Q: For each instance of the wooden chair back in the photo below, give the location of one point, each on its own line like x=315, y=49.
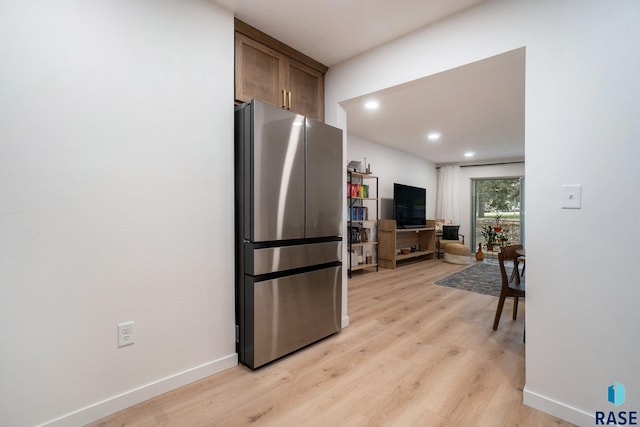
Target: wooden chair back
x=503, y=272
x=516, y=291
x=509, y=252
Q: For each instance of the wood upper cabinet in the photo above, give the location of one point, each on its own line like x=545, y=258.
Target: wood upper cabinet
x=306, y=88
x=272, y=72
x=259, y=72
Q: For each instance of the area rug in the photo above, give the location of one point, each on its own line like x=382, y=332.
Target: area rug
x=482, y=278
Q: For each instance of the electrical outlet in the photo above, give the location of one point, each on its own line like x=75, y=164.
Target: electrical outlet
x=126, y=334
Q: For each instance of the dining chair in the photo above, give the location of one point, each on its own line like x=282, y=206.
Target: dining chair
x=509, y=253
x=508, y=289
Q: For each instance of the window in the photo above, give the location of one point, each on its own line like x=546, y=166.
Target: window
x=498, y=202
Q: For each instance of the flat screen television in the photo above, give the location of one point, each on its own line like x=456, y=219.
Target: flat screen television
x=409, y=206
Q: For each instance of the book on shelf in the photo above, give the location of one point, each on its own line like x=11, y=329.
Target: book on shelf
x=359, y=234
x=358, y=190
x=359, y=213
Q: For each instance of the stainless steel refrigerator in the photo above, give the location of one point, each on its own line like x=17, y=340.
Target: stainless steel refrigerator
x=289, y=198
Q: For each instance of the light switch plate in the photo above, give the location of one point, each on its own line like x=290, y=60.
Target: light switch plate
x=571, y=196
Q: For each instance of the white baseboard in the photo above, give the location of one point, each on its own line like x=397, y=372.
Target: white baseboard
x=345, y=321
x=557, y=409
x=133, y=397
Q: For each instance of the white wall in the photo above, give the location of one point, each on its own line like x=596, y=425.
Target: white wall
x=390, y=166
x=581, y=106
x=116, y=157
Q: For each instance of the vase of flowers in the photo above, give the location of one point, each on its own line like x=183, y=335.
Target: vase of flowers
x=490, y=236
x=498, y=228
x=493, y=235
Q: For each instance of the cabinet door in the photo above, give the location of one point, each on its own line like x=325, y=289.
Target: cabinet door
x=307, y=90
x=259, y=72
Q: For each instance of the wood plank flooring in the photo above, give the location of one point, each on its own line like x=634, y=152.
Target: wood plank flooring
x=415, y=354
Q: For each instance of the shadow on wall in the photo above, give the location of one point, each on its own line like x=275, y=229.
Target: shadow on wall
x=386, y=208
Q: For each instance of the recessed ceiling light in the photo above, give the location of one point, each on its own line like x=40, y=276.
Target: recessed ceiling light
x=371, y=105
x=434, y=136
x=469, y=154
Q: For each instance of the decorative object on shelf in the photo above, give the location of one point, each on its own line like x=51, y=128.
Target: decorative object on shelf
x=355, y=166
x=479, y=254
x=368, y=257
x=354, y=258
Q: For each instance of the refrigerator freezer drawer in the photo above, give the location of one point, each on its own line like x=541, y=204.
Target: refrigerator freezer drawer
x=292, y=312
x=282, y=258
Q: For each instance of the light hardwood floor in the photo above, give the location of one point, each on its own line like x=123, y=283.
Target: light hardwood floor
x=414, y=354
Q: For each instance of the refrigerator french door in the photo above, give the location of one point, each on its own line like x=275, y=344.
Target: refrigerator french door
x=288, y=231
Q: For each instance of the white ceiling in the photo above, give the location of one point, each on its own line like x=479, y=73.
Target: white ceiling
x=478, y=107
x=331, y=31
